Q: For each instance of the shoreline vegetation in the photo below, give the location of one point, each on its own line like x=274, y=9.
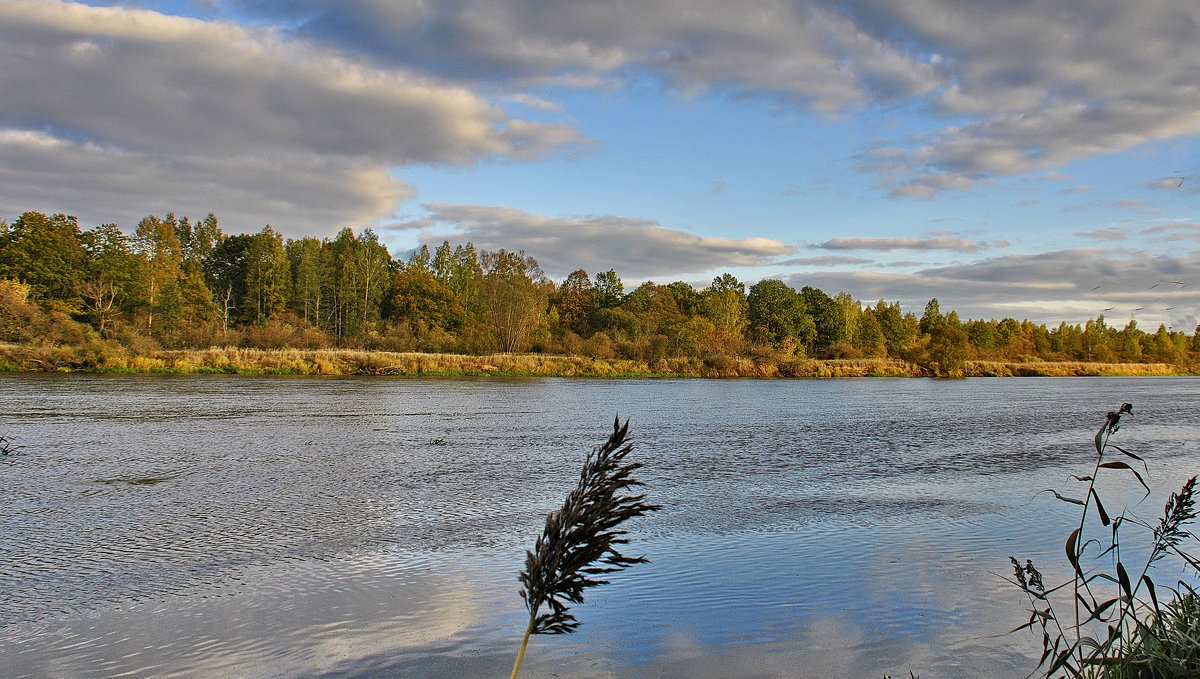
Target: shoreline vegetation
x=333, y=362
x=175, y=295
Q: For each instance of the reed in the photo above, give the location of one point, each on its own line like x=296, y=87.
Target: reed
x=109, y=356
x=1115, y=626
x=581, y=541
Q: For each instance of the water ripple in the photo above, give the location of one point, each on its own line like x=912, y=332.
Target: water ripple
x=200, y=527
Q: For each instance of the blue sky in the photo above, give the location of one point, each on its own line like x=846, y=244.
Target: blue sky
x=1037, y=160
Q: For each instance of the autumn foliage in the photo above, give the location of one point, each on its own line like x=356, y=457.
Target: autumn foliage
x=172, y=284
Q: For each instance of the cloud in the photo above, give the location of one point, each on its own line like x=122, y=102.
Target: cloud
x=635, y=248
x=1111, y=233
x=1133, y=205
x=297, y=193
x=1170, y=183
x=806, y=52
x=377, y=84
x=824, y=261
x=1175, y=231
x=888, y=244
x=230, y=111
x=1041, y=85
x=1064, y=285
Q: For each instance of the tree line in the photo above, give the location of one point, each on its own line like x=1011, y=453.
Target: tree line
x=178, y=283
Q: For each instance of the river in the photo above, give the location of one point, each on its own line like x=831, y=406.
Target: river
x=257, y=527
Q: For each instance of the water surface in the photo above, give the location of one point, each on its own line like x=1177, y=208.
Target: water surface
x=217, y=526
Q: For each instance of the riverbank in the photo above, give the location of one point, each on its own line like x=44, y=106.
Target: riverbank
x=235, y=360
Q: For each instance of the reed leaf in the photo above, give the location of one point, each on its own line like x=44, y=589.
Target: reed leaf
x=1116, y=633
x=581, y=541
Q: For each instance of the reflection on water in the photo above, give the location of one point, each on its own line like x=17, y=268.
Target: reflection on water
x=273, y=527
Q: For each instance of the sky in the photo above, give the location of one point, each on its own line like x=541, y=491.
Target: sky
x=1033, y=160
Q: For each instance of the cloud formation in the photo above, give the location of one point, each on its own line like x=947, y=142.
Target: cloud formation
x=808, y=52
x=825, y=261
x=889, y=244
x=255, y=124
x=635, y=248
x=1111, y=233
x=1064, y=285
x=1032, y=87
x=1044, y=83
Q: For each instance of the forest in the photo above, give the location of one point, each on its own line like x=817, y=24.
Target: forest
x=175, y=283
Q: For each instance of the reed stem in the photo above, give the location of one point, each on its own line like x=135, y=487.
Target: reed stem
x=524, y=643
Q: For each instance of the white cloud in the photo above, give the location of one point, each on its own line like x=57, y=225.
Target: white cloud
x=808, y=52
x=888, y=244
x=1111, y=233
x=635, y=248
x=216, y=109
x=300, y=194
x=1065, y=285
x=1174, y=231
x=1044, y=84
x=1036, y=86
x=824, y=261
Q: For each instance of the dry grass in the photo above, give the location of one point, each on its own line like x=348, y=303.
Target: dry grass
x=1067, y=369
x=107, y=356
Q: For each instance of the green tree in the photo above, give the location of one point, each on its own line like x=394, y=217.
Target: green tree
x=311, y=277
x=608, y=290
x=896, y=332
x=362, y=272
x=47, y=254
x=1130, y=342
x=869, y=337
x=1097, y=341
x=658, y=317
x=687, y=298
x=724, y=303
x=826, y=319
x=113, y=274
x=848, y=312
x=576, y=301
x=516, y=295
x=225, y=273
x=158, y=245
x=268, y=277
x=982, y=335
x=932, y=316
x=461, y=271
x=775, y=311
x=422, y=300
x=948, y=350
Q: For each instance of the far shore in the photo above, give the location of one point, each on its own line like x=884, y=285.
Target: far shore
x=242, y=361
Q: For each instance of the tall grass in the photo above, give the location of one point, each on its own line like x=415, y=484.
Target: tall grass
x=1115, y=624
x=580, y=541
x=103, y=355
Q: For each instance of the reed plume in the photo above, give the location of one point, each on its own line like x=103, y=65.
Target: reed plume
x=580, y=541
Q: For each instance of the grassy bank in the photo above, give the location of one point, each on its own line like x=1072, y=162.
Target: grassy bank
x=107, y=357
